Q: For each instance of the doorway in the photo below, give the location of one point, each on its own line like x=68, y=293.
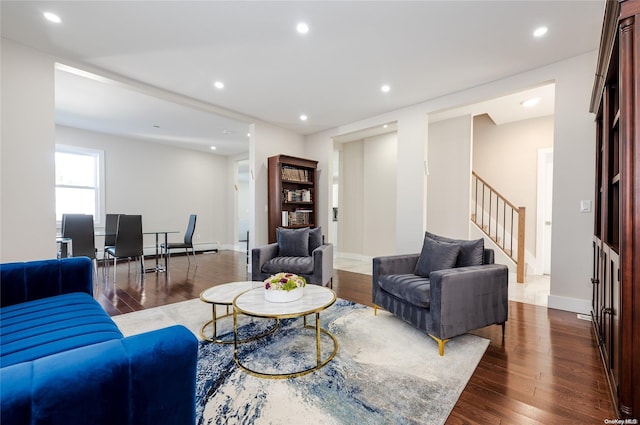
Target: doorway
x=242, y=204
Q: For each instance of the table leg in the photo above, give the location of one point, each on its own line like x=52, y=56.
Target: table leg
x=157, y=252
x=214, y=322
x=319, y=362
x=166, y=243
x=235, y=336
x=318, y=339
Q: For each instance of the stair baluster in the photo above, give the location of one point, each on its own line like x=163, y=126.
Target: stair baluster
x=494, y=220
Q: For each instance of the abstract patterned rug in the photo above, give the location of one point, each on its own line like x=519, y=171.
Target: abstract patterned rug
x=385, y=371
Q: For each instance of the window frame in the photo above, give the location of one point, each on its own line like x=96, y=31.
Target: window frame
x=99, y=187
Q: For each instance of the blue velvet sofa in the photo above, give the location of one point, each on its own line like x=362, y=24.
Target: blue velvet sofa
x=64, y=361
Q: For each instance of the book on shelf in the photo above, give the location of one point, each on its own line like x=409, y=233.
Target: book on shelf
x=295, y=174
x=300, y=195
x=299, y=217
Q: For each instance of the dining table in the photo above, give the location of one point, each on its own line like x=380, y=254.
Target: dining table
x=158, y=268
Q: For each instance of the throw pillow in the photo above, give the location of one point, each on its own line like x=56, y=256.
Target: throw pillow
x=436, y=256
x=293, y=242
x=315, y=238
x=471, y=252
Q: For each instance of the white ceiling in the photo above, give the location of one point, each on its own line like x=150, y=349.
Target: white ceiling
x=91, y=102
x=333, y=74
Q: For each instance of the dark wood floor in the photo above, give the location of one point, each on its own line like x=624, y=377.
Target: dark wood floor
x=546, y=370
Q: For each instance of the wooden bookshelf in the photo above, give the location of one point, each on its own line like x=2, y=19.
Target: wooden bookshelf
x=292, y=193
x=616, y=246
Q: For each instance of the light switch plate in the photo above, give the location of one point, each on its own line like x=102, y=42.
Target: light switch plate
x=585, y=206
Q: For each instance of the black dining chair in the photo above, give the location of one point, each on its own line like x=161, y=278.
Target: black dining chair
x=128, y=242
x=79, y=228
x=110, y=229
x=186, y=244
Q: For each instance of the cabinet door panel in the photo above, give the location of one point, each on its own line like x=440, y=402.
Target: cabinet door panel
x=614, y=351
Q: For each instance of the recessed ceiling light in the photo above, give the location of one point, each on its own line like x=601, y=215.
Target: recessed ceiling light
x=530, y=102
x=385, y=88
x=539, y=32
x=248, y=134
x=213, y=148
x=52, y=17
x=385, y=126
x=219, y=85
x=302, y=28
x=303, y=117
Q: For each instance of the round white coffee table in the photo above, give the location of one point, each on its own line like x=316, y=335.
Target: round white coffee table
x=224, y=295
x=314, y=300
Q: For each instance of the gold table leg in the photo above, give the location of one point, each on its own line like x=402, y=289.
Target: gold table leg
x=319, y=364
x=214, y=325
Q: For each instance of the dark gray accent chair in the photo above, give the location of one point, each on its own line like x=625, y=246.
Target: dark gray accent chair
x=298, y=251
x=453, y=298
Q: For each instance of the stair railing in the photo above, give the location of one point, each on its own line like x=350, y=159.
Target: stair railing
x=500, y=220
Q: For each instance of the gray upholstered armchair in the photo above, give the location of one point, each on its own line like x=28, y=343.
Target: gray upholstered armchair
x=450, y=288
x=299, y=251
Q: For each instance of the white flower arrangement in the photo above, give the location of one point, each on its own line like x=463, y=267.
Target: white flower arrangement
x=284, y=282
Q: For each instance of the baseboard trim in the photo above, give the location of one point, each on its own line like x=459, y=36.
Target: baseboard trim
x=351, y=256
x=574, y=305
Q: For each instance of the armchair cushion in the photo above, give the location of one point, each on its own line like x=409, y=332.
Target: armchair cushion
x=293, y=242
x=316, y=268
x=315, y=238
x=297, y=265
x=471, y=252
x=413, y=289
x=436, y=256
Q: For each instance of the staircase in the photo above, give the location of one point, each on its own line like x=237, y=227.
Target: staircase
x=500, y=220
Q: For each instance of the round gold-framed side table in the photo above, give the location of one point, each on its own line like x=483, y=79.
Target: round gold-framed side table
x=223, y=295
x=314, y=300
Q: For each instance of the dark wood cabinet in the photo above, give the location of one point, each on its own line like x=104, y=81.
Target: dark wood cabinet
x=292, y=193
x=616, y=241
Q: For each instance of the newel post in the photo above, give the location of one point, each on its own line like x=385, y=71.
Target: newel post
x=520, y=266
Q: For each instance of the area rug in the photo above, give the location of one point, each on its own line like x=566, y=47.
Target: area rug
x=385, y=371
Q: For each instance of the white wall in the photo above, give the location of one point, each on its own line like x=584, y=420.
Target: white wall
x=164, y=184
x=506, y=157
x=243, y=209
x=573, y=177
x=28, y=221
x=323, y=153
x=449, y=179
x=367, y=213
x=28, y=225
x=268, y=140
x=574, y=135
x=411, y=181
x=237, y=204
x=352, y=193
x=379, y=176
x=27, y=179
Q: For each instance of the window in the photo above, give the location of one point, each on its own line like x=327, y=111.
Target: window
x=79, y=182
